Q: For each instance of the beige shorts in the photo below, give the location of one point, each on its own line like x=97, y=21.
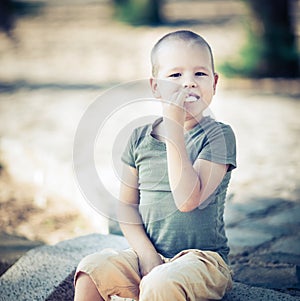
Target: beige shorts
x=191, y=275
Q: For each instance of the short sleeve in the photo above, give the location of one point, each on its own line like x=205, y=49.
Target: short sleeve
x=220, y=146
x=128, y=153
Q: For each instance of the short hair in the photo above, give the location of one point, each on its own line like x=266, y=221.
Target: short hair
x=180, y=35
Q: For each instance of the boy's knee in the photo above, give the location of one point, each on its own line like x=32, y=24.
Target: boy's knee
x=103, y=260
x=158, y=285
x=114, y=272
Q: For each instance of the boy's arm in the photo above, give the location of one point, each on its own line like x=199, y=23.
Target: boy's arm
x=131, y=221
x=191, y=184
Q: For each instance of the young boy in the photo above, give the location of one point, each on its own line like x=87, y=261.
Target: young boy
x=175, y=177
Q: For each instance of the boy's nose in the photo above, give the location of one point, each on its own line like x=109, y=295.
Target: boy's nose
x=189, y=83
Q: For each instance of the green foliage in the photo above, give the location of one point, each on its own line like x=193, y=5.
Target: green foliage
x=271, y=49
x=246, y=62
x=138, y=12
x=23, y=8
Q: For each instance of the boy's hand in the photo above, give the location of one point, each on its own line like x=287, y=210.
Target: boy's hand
x=148, y=261
x=173, y=107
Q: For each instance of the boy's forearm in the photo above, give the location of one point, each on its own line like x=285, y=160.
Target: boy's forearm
x=133, y=229
x=184, y=181
x=148, y=258
x=137, y=239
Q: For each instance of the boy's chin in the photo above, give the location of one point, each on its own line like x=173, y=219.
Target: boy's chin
x=195, y=108
x=199, y=104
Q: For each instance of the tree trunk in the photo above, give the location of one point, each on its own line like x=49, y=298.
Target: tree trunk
x=274, y=31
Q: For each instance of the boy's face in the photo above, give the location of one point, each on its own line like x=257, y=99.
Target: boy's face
x=185, y=67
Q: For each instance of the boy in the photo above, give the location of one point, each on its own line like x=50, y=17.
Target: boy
x=172, y=220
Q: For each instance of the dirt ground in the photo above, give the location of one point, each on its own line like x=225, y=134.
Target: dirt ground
x=67, y=54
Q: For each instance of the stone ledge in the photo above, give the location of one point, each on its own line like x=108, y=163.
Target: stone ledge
x=12, y=248
x=46, y=273
x=37, y=275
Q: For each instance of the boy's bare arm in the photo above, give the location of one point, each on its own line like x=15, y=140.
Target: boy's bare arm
x=131, y=222
x=191, y=184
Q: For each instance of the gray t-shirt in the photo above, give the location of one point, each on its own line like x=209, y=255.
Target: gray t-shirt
x=170, y=230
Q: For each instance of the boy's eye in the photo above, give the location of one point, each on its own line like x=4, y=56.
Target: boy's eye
x=175, y=75
x=200, y=74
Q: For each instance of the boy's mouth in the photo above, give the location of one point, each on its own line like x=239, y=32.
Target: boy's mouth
x=191, y=97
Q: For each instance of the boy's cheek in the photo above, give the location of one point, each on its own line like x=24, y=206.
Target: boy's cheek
x=168, y=90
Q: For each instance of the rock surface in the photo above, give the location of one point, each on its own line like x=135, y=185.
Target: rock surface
x=46, y=273
x=12, y=248
x=264, y=242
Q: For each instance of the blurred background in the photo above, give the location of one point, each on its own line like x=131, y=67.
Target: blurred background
x=57, y=56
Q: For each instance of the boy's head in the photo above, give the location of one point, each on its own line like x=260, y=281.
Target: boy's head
x=182, y=62
x=185, y=36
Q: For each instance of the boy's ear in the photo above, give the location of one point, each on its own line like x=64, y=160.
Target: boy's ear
x=216, y=78
x=154, y=87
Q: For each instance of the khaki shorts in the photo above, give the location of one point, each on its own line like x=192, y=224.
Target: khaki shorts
x=191, y=275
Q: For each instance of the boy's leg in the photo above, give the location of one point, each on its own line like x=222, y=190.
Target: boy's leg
x=85, y=289
x=191, y=275
x=112, y=272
